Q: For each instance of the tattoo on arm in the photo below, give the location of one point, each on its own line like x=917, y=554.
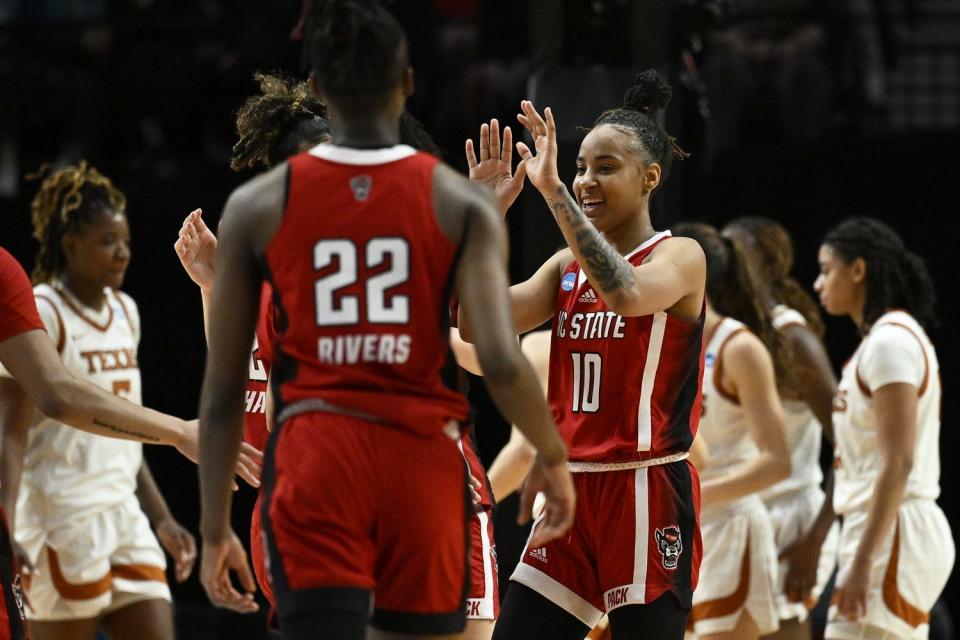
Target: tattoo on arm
x=136, y=434
x=603, y=262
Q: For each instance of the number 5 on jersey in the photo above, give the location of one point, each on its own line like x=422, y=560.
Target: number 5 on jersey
x=334, y=310
x=586, y=382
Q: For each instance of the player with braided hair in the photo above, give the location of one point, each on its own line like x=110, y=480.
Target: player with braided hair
x=364, y=240
x=627, y=307
x=86, y=502
x=896, y=548
x=802, y=514
x=742, y=426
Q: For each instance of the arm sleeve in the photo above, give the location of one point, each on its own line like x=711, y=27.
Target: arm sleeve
x=892, y=355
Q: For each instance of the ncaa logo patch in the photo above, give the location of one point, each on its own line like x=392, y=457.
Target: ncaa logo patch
x=360, y=185
x=569, y=281
x=708, y=360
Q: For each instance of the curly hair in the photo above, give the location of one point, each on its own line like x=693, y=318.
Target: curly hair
x=274, y=124
x=68, y=199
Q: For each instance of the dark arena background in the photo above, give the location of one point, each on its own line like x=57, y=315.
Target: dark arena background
x=806, y=111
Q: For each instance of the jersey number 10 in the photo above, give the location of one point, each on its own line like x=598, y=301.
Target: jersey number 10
x=381, y=308
x=586, y=382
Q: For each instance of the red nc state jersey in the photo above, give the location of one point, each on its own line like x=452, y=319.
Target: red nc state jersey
x=261, y=355
x=622, y=388
x=362, y=274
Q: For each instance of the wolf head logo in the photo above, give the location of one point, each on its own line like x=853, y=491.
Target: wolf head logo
x=670, y=546
x=360, y=185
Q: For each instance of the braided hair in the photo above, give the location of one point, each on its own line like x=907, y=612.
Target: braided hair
x=734, y=290
x=356, y=49
x=68, y=199
x=275, y=124
x=775, y=250
x=896, y=277
x=638, y=118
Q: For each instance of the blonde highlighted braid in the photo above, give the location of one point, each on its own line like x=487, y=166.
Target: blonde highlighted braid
x=266, y=121
x=68, y=198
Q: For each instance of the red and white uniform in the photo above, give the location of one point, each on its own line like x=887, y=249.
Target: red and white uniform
x=623, y=390
x=914, y=561
x=18, y=314
x=368, y=402
x=255, y=428
x=483, y=599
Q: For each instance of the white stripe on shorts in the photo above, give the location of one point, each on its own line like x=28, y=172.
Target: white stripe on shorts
x=642, y=527
x=644, y=420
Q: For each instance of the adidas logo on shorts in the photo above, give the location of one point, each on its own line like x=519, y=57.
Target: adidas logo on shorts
x=589, y=296
x=539, y=554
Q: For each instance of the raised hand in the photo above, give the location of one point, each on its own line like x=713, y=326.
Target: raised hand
x=196, y=246
x=494, y=168
x=542, y=167
x=179, y=543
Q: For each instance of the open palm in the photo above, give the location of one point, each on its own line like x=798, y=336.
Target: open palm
x=542, y=167
x=494, y=168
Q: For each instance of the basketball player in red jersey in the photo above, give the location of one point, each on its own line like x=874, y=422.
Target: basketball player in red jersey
x=362, y=241
x=625, y=370
x=290, y=108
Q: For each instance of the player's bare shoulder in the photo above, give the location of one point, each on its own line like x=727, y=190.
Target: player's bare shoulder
x=255, y=208
x=456, y=199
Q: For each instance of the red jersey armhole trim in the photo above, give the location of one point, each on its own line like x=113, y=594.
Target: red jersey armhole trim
x=62, y=338
x=718, y=368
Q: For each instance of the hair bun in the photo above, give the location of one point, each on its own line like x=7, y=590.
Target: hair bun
x=649, y=94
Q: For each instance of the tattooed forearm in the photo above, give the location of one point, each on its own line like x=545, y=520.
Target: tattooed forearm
x=608, y=270
x=135, y=434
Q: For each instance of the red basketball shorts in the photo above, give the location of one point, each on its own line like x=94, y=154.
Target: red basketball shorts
x=354, y=508
x=483, y=601
x=12, y=625
x=258, y=553
x=635, y=537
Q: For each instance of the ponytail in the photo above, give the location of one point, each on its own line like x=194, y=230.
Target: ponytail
x=734, y=290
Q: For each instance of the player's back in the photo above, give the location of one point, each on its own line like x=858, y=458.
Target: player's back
x=362, y=275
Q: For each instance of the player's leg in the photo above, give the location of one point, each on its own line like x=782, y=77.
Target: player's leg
x=85, y=629
x=527, y=615
x=746, y=629
x=662, y=619
x=478, y=630
x=143, y=620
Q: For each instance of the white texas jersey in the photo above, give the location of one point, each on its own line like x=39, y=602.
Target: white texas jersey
x=896, y=349
x=723, y=423
x=803, y=428
x=69, y=473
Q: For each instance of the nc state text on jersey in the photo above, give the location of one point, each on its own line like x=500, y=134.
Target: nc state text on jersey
x=590, y=326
